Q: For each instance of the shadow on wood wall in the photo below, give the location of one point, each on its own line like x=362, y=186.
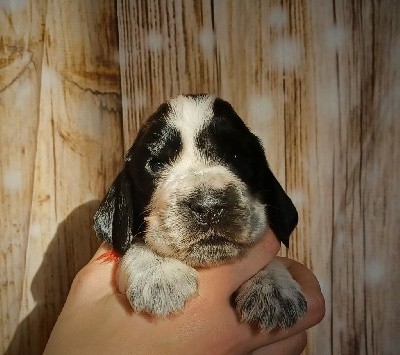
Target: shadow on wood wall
x=51, y=283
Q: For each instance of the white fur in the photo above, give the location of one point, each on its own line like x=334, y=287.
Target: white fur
x=190, y=114
x=271, y=298
x=155, y=284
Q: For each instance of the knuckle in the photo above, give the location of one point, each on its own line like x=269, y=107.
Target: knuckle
x=82, y=278
x=302, y=341
x=273, y=243
x=316, y=307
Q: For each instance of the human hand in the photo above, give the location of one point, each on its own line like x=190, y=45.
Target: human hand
x=97, y=319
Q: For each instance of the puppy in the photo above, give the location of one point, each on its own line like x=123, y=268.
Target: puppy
x=196, y=191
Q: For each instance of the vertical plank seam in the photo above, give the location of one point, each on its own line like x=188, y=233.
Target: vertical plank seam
x=54, y=157
x=362, y=145
x=44, y=55
x=333, y=178
x=122, y=125
x=217, y=67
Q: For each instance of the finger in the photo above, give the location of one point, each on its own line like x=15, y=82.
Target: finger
x=315, y=304
x=312, y=291
x=294, y=345
x=228, y=277
x=97, y=278
x=104, y=248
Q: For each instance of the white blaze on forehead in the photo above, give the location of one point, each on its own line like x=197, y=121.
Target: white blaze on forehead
x=189, y=115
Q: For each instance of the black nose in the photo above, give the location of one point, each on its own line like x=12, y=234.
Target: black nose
x=207, y=208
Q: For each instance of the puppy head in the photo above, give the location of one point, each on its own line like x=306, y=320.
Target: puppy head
x=196, y=186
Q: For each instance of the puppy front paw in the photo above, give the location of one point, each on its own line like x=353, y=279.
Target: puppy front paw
x=156, y=285
x=271, y=299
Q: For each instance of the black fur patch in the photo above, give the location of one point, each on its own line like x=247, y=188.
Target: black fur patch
x=156, y=140
x=227, y=140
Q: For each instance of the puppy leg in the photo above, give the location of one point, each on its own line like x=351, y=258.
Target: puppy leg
x=155, y=284
x=271, y=298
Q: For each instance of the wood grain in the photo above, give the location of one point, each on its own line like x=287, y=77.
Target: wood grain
x=318, y=81
x=247, y=76
x=77, y=153
x=166, y=48
x=21, y=37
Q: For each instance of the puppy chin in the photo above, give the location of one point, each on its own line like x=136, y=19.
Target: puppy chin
x=202, y=255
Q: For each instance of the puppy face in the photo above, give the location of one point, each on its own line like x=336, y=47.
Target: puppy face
x=201, y=210
x=196, y=186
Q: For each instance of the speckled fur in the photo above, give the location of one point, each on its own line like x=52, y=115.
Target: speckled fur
x=271, y=298
x=157, y=271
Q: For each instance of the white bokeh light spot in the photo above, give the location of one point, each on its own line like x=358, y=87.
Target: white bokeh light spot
x=140, y=99
x=35, y=230
x=335, y=37
x=12, y=179
x=297, y=197
x=26, y=91
x=154, y=41
x=286, y=53
x=13, y=5
x=261, y=109
x=277, y=17
x=207, y=39
x=374, y=272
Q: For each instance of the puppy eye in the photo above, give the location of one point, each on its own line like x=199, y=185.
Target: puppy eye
x=156, y=165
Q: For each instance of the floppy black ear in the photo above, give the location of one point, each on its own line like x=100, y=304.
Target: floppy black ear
x=282, y=215
x=113, y=221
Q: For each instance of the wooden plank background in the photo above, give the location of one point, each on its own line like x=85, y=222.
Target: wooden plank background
x=317, y=80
